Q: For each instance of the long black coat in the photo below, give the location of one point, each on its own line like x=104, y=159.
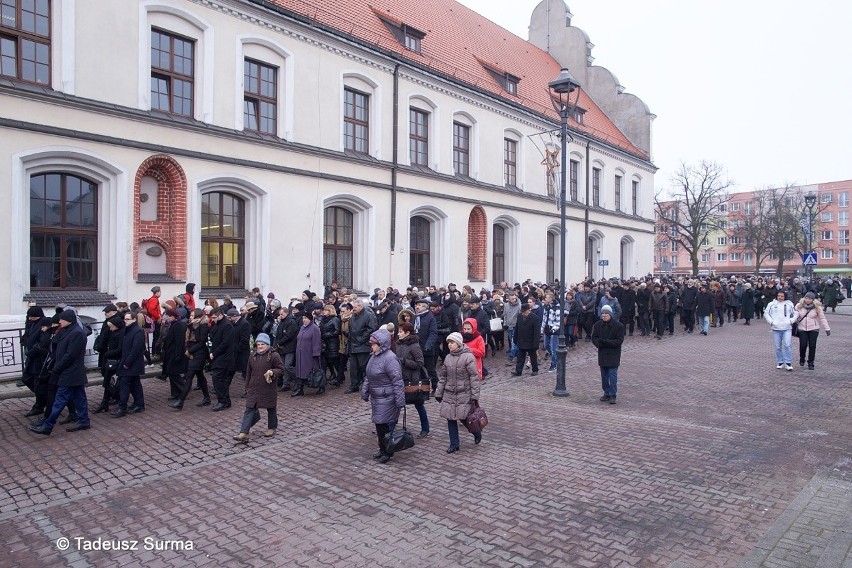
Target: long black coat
x=242, y=337
x=360, y=327
x=69, y=370
x=608, y=337
x=132, y=362
x=222, y=339
x=38, y=345
x=174, y=360
x=628, y=303
x=286, y=334
x=330, y=333
x=688, y=298
x=410, y=357
x=704, y=304
x=528, y=331
x=196, y=346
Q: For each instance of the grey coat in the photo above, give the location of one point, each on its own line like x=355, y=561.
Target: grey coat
x=458, y=384
x=383, y=385
x=308, y=347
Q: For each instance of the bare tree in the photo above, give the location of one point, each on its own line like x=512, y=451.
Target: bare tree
x=697, y=192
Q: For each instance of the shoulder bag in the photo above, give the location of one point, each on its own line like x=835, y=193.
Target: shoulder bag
x=496, y=324
x=398, y=440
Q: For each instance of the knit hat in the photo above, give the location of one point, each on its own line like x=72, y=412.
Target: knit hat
x=456, y=337
x=810, y=295
x=110, y=308
x=270, y=296
x=35, y=312
x=606, y=309
x=308, y=293
x=69, y=316
x=263, y=338
x=233, y=312
x=55, y=320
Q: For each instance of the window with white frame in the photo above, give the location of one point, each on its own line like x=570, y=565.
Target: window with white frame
x=705, y=257
x=843, y=199
x=722, y=241
x=788, y=201
x=635, y=198
x=673, y=231
x=723, y=224
x=773, y=256
x=722, y=208
x=735, y=224
x=748, y=257
x=843, y=237
x=705, y=241
x=747, y=208
x=418, y=137
x=736, y=257
x=843, y=218
x=825, y=198
x=827, y=254
x=843, y=256
x=722, y=257
x=734, y=240
x=825, y=216
x=674, y=260
x=826, y=236
x=674, y=246
x=735, y=206
x=703, y=226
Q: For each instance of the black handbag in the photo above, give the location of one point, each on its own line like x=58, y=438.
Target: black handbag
x=316, y=379
x=398, y=440
x=112, y=365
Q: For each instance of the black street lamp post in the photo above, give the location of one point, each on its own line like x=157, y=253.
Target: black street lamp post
x=810, y=201
x=561, y=88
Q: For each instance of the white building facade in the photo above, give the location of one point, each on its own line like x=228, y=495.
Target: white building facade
x=240, y=143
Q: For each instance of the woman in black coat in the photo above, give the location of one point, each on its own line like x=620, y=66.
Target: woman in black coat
x=411, y=360
x=112, y=339
x=330, y=334
x=131, y=367
x=197, y=355
x=174, y=356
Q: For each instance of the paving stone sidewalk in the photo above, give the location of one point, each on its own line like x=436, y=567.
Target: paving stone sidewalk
x=711, y=457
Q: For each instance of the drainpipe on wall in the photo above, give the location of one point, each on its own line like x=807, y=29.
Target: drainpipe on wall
x=586, y=212
x=394, y=166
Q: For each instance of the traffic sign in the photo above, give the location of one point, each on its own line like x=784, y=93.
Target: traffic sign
x=809, y=259
x=603, y=263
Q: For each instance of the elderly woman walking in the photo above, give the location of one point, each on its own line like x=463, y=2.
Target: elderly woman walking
x=811, y=319
x=264, y=369
x=458, y=388
x=383, y=388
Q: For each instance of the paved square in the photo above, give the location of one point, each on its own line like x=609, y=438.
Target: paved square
x=711, y=457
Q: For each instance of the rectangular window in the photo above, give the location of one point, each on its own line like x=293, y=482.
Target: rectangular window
x=705, y=241
x=825, y=216
x=736, y=257
x=674, y=246
x=722, y=257
x=825, y=198
x=705, y=257
x=172, y=73
x=418, y=137
x=747, y=208
x=510, y=162
x=674, y=261
x=843, y=237
x=735, y=224
x=356, y=121
x=735, y=240
x=827, y=254
x=573, y=169
x=260, y=101
x=826, y=236
x=843, y=218
x=843, y=256
x=843, y=199
x=735, y=206
x=673, y=231
x=596, y=187
x=618, y=193
x=749, y=257
x=722, y=241
x=25, y=40
x=723, y=224
x=635, y=198
x=723, y=207
x=461, y=149
x=788, y=201
x=412, y=42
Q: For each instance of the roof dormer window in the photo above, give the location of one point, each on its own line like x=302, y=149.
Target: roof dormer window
x=411, y=38
x=408, y=36
x=510, y=84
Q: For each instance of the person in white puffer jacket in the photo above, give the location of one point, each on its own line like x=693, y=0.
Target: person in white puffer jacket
x=781, y=315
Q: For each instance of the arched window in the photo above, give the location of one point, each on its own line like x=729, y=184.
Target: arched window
x=551, y=257
x=419, y=264
x=63, y=232
x=337, y=246
x=222, y=241
x=499, y=254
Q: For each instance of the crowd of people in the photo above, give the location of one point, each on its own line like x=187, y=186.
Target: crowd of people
x=397, y=348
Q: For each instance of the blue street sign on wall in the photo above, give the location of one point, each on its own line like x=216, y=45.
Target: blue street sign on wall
x=603, y=263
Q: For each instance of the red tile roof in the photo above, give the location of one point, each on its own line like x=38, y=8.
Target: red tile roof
x=457, y=39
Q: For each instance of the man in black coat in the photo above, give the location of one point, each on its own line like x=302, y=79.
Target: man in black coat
x=242, y=340
x=527, y=336
x=426, y=328
x=607, y=336
x=221, y=358
x=131, y=367
x=361, y=325
x=36, y=342
x=174, y=355
x=285, y=344
x=69, y=372
x=628, y=307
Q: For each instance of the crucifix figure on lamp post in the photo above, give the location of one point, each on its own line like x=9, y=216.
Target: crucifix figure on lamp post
x=561, y=89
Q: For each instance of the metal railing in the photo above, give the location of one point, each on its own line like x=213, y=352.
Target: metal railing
x=12, y=357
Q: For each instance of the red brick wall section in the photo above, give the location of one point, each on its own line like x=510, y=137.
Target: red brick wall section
x=477, y=244
x=169, y=230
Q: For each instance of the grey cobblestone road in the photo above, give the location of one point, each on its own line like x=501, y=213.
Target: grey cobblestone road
x=712, y=457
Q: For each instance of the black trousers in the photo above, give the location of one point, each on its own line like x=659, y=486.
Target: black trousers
x=222, y=384
x=807, y=345
x=522, y=358
x=187, y=384
x=342, y=360
x=175, y=385
x=358, y=369
x=585, y=320
x=329, y=364
x=689, y=319
x=629, y=322
x=429, y=362
x=381, y=430
x=659, y=322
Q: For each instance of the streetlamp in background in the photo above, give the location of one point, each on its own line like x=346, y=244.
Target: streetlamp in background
x=561, y=89
x=810, y=201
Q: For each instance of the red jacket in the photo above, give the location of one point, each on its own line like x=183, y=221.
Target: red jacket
x=152, y=304
x=476, y=345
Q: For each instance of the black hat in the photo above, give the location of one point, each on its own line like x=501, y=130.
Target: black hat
x=54, y=320
x=525, y=307
x=68, y=315
x=233, y=312
x=35, y=312
x=110, y=308
x=117, y=321
x=307, y=314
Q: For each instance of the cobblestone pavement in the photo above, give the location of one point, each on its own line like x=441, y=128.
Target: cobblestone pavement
x=711, y=457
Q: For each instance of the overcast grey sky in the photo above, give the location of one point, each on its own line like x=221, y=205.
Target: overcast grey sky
x=763, y=87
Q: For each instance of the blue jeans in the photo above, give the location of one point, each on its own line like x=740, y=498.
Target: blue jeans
x=609, y=380
x=705, y=323
x=550, y=344
x=453, y=427
x=783, y=339
x=63, y=395
x=513, y=347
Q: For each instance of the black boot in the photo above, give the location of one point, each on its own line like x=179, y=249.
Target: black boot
x=102, y=407
x=177, y=405
x=298, y=392
x=204, y=402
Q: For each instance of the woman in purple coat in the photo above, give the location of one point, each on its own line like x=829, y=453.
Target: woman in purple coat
x=308, y=350
x=383, y=387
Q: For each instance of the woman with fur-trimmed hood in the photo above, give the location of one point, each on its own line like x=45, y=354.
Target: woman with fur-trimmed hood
x=811, y=319
x=383, y=388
